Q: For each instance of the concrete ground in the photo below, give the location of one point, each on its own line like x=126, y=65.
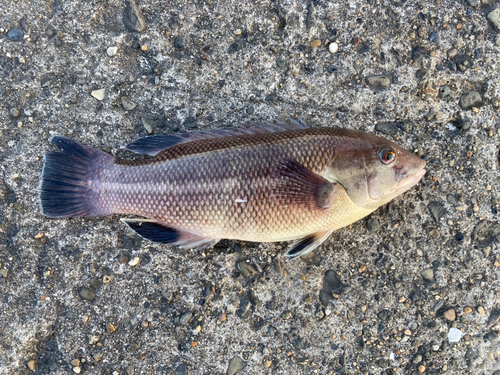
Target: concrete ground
x=384, y=296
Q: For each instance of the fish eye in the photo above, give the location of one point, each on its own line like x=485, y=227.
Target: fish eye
x=387, y=156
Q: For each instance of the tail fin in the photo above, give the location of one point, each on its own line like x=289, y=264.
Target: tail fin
x=67, y=179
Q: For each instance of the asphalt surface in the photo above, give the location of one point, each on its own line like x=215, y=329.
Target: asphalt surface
x=384, y=296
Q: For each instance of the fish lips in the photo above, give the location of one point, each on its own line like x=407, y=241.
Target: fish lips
x=411, y=180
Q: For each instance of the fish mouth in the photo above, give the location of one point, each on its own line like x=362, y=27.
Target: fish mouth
x=411, y=180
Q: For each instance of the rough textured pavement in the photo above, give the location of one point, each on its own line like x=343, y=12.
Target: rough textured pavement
x=388, y=295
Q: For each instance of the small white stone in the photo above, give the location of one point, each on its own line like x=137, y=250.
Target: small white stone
x=77, y=369
x=454, y=335
x=134, y=262
x=99, y=94
x=333, y=47
x=111, y=51
x=237, y=32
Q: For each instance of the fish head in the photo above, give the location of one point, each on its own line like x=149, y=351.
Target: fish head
x=374, y=170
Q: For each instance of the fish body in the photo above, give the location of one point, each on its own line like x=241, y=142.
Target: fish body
x=267, y=183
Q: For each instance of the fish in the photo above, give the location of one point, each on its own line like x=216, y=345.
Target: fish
x=262, y=182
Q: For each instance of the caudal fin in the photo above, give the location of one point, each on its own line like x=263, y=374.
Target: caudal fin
x=68, y=177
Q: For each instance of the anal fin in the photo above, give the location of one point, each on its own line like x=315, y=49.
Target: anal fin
x=154, y=231
x=307, y=244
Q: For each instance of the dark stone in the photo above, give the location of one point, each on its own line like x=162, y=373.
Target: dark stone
x=486, y=233
x=190, y=122
x=132, y=17
x=421, y=73
x=180, y=370
x=383, y=315
x=244, y=307
x=437, y=210
x=493, y=318
x=372, y=224
x=233, y=48
x=434, y=37
x=331, y=284
x=470, y=99
x=269, y=98
x=299, y=344
x=490, y=336
x=178, y=42
x=15, y=35
x=419, y=53
x=388, y=127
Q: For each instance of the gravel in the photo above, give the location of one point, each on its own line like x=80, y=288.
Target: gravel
x=371, y=299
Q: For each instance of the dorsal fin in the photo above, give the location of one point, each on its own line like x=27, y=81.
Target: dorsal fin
x=155, y=144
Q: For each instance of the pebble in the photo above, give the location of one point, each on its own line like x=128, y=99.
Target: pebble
x=454, y=335
x=268, y=364
x=130, y=370
x=178, y=42
x=127, y=104
x=14, y=112
x=421, y=368
x=452, y=52
x=428, y=274
x=316, y=43
x=467, y=310
x=331, y=284
x=450, y=315
x=480, y=310
x=494, y=318
x=185, y=318
x=77, y=369
x=497, y=40
x=470, y=100
x=123, y=259
x=388, y=127
x=132, y=17
x=111, y=51
x=237, y=32
x=378, y=82
x=75, y=362
x=333, y=47
x=87, y=294
x=473, y=3
x=181, y=370
x=443, y=92
x=236, y=364
x=246, y=269
x=419, y=53
x=15, y=35
x=494, y=17
x=372, y=224
x=99, y=94
x=417, y=359
x=110, y=328
x=147, y=125
x=485, y=233
x=437, y=210
x=32, y=365
x=134, y=262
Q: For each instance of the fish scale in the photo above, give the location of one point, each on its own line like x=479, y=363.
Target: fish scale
x=262, y=184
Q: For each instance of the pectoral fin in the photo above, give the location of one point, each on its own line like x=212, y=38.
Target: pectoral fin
x=307, y=244
x=297, y=186
x=157, y=232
